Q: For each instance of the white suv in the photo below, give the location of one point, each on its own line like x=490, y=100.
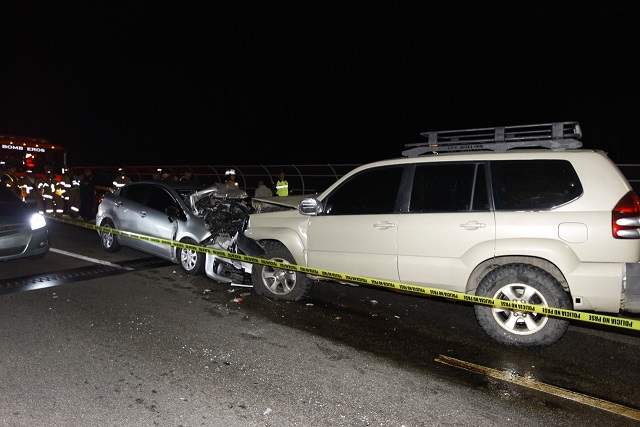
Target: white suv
x=519, y=213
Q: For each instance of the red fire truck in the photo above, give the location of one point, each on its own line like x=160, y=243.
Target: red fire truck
x=28, y=153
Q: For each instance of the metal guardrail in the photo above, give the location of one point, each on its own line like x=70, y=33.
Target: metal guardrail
x=303, y=179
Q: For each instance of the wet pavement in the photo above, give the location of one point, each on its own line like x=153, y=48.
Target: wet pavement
x=153, y=347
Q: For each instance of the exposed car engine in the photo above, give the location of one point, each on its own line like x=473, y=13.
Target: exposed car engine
x=225, y=211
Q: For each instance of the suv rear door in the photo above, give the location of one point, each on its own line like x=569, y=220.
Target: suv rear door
x=447, y=226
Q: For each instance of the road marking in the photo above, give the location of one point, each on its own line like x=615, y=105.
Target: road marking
x=605, y=405
x=86, y=258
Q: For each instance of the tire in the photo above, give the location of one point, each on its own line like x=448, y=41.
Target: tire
x=109, y=241
x=526, y=284
x=192, y=262
x=278, y=283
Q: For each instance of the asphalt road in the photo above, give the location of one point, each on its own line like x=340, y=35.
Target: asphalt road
x=82, y=345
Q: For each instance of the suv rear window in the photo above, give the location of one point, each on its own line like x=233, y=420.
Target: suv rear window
x=533, y=184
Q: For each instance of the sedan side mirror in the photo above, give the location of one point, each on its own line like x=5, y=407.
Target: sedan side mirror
x=172, y=212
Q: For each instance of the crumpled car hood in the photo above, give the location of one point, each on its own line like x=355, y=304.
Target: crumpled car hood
x=215, y=192
x=264, y=204
x=225, y=210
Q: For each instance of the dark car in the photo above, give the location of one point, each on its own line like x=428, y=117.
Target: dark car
x=23, y=231
x=156, y=209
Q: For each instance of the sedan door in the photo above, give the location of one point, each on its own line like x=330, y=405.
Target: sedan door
x=141, y=209
x=127, y=209
x=153, y=221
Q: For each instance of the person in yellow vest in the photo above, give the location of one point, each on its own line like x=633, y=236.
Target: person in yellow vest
x=282, y=185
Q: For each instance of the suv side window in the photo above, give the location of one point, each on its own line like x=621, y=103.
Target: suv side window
x=533, y=184
x=449, y=187
x=373, y=191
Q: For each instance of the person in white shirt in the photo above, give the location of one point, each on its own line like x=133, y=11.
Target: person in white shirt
x=262, y=190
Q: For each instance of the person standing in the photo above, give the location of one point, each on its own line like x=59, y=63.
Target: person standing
x=262, y=190
x=188, y=176
x=231, y=178
x=87, y=195
x=51, y=198
x=282, y=185
x=121, y=179
x=166, y=176
x=33, y=190
x=59, y=196
x=72, y=195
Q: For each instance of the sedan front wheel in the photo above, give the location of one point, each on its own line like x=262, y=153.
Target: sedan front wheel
x=191, y=261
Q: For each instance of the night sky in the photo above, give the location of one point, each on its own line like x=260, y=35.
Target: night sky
x=159, y=82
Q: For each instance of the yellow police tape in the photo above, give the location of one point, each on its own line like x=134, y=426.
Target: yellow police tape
x=419, y=290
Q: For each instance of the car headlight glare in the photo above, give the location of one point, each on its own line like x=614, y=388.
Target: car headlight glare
x=37, y=221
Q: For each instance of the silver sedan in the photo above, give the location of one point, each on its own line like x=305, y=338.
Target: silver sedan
x=155, y=209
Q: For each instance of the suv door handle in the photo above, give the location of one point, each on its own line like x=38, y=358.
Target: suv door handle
x=473, y=225
x=143, y=214
x=384, y=225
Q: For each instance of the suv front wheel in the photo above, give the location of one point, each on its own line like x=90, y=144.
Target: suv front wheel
x=278, y=282
x=525, y=284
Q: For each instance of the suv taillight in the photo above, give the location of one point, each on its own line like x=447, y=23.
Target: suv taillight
x=625, y=217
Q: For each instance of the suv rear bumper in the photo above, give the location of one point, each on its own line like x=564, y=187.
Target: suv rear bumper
x=632, y=288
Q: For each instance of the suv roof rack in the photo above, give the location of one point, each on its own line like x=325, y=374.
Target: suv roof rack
x=557, y=136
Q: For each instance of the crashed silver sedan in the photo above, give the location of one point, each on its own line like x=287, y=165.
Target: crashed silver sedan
x=213, y=217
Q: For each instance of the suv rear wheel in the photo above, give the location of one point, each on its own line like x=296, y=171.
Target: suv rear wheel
x=277, y=282
x=526, y=284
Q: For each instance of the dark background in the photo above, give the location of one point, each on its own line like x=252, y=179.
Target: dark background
x=309, y=82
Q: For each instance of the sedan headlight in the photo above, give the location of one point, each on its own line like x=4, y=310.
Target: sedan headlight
x=37, y=221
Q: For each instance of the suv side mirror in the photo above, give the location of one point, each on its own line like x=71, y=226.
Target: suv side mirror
x=310, y=206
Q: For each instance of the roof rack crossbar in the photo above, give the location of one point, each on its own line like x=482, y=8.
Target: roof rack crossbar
x=557, y=136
